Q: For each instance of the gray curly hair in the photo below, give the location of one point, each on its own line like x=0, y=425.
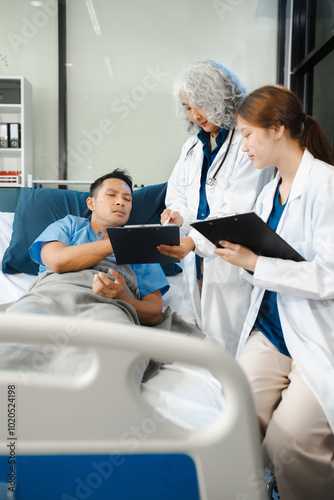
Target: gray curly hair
x=213, y=87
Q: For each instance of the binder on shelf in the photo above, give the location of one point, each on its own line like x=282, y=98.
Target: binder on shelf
x=14, y=135
x=3, y=135
x=249, y=230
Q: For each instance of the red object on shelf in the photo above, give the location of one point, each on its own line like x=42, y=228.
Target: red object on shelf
x=10, y=176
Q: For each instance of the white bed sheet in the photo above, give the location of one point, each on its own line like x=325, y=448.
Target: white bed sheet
x=188, y=396
x=185, y=395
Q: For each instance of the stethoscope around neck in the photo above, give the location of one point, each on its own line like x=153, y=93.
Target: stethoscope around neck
x=212, y=181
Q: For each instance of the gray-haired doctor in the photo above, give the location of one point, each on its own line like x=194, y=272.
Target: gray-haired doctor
x=212, y=177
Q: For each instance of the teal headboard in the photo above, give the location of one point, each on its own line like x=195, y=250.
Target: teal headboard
x=8, y=199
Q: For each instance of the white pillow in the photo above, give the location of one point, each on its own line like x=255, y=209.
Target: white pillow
x=12, y=286
x=6, y=228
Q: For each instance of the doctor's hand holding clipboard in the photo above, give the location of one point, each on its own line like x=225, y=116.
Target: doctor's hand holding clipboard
x=237, y=255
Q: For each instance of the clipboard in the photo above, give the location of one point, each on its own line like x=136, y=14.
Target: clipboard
x=249, y=230
x=138, y=244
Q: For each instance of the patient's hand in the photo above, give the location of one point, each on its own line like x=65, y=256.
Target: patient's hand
x=171, y=217
x=148, y=308
x=178, y=251
x=110, y=288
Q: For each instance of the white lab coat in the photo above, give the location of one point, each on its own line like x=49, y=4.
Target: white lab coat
x=305, y=289
x=225, y=297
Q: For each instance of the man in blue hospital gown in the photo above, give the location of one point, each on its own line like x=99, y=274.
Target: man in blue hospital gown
x=78, y=273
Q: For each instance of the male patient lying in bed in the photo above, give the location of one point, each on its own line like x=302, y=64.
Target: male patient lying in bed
x=78, y=274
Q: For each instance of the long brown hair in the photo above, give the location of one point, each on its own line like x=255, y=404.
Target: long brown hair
x=276, y=105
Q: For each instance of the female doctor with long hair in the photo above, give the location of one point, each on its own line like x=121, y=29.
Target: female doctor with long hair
x=287, y=343
x=212, y=176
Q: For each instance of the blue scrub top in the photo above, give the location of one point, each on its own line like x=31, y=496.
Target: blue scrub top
x=209, y=156
x=268, y=321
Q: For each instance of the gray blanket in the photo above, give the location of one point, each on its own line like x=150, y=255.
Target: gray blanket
x=70, y=294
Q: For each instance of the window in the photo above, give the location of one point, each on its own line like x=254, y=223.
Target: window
x=307, y=42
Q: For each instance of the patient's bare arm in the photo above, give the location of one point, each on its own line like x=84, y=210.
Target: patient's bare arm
x=62, y=258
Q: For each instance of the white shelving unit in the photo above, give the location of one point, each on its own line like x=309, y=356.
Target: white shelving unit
x=16, y=163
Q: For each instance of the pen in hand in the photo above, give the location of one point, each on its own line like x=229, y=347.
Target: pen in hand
x=168, y=219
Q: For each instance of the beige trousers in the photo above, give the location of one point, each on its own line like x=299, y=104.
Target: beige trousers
x=297, y=442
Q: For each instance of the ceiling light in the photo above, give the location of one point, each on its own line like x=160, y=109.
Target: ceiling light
x=92, y=15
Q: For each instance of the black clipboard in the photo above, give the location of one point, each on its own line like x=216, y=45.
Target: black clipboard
x=249, y=230
x=138, y=244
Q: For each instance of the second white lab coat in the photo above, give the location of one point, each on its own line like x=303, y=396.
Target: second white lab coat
x=305, y=297
x=225, y=297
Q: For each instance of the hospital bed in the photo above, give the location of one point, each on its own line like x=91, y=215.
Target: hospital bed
x=76, y=420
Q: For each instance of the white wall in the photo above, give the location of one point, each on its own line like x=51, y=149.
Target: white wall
x=122, y=59
x=28, y=38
